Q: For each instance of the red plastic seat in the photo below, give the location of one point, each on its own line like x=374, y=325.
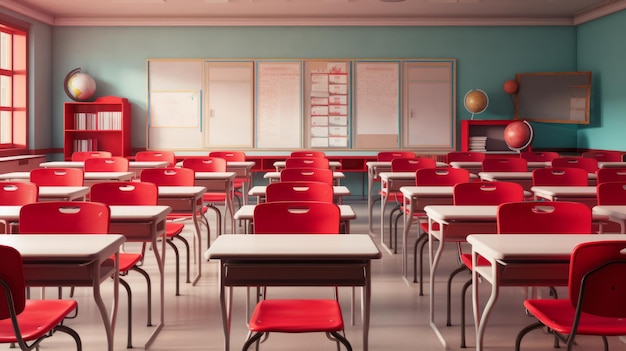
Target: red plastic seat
x=588, y=164
x=611, y=193
x=539, y=156
x=307, y=175
x=554, y=176
x=296, y=315
x=459, y=156
x=307, y=162
x=57, y=176
x=233, y=156
x=83, y=155
x=604, y=175
x=299, y=191
x=28, y=322
x=596, y=290
x=79, y=217
x=604, y=156
x=16, y=194
x=155, y=155
x=307, y=153
x=106, y=164
x=142, y=194
x=505, y=165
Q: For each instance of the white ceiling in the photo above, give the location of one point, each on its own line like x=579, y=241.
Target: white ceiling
x=313, y=12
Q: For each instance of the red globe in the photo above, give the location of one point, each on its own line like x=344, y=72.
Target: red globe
x=518, y=135
x=510, y=87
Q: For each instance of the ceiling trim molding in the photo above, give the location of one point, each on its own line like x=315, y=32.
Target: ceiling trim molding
x=602, y=11
x=28, y=12
x=307, y=22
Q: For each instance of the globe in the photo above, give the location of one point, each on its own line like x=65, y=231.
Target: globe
x=79, y=86
x=518, y=135
x=476, y=101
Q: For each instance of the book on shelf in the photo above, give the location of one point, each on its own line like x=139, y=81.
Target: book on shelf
x=103, y=120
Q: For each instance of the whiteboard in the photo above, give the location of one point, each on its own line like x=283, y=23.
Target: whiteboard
x=279, y=104
x=179, y=109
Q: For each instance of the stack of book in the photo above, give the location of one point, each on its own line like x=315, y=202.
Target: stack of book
x=478, y=143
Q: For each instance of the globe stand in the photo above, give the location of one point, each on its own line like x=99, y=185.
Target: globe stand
x=476, y=101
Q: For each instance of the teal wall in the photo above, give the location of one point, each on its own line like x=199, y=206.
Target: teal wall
x=601, y=50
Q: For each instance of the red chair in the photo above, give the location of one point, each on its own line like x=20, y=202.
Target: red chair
x=307, y=153
x=296, y=315
x=611, y=193
x=142, y=194
x=588, y=164
x=80, y=217
x=24, y=321
x=307, y=162
x=323, y=175
x=539, y=156
x=57, y=176
x=604, y=156
x=106, y=164
x=596, y=290
x=388, y=156
x=604, y=175
x=505, y=165
x=83, y=155
x=233, y=156
x=459, y=156
x=299, y=191
x=560, y=176
x=478, y=193
x=145, y=156
x=17, y=194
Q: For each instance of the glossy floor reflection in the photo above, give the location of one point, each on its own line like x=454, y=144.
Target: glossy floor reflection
x=399, y=317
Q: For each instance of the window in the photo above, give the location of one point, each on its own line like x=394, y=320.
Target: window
x=13, y=85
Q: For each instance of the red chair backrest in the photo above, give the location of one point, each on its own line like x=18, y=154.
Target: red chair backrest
x=459, y=156
x=552, y=176
x=611, y=193
x=64, y=217
x=588, y=164
x=604, y=175
x=125, y=193
x=388, y=156
x=229, y=156
x=155, y=155
x=539, y=156
x=57, y=176
x=447, y=176
x=602, y=264
x=307, y=162
x=106, y=164
x=544, y=217
x=505, y=165
x=12, y=273
x=205, y=164
x=487, y=193
x=412, y=164
x=83, y=155
x=296, y=217
x=307, y=153
x=170, y=176
x=604, y=156
x=323, y=175
x=299, y=191
x=18, y=193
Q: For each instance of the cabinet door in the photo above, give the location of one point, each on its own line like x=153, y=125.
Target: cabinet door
x=428, y=105
x=229, y=104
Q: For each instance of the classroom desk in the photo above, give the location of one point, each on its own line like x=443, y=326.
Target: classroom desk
x=583, y=194
x=72, y=260
x=275, y=177
x=611, y=164
x=62, y=193
x=243, y=171
x=246, y=213
x=525, y=179
x=186, y=199
x=269, y=260
x=477, y=167
x=90, y=177
x=390, y=183
x=280, y=165
x=615, y=213
x=415, y=198
x=133, y=166
x=339, y=191
x=374, y=168
x=220, y=182
x=521, y=260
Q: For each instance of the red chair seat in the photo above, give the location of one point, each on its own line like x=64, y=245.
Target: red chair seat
x=173, y=229
x=128, y=261
x=467, y=261
x=214, y=197
x=560, y=315
x=296, y=316
x=38, y=318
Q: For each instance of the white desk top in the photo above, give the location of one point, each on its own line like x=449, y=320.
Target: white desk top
x=87, y=175
x=71, y=192
x=215, y=175
x=338, y=190
x=533, y=247
x=282, y=164
x=246, y=212
x=294, y=247
x=611, y=164
x=81, y=164
x=569, y=191
x=475, y=164
x=613, y=211
x=120, y=213
x=276, y=175
x=430, y=191
x=71, y=247
x=181, y=191
x=461, y=213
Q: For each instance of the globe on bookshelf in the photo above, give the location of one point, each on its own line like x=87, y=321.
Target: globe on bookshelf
x=518, y=135
x=79, y=86
x=476, y=101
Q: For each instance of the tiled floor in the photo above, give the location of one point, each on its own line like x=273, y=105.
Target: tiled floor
x=399, y=318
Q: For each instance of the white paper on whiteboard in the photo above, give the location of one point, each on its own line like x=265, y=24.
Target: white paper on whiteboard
x=338, y=89
x=319, y=142
x=338, y=142
x=338, y=78
x=337, y=67
x=174, y=108
x=577, y=115
x=338, y=100
x=377, y=98
x=338, y=131
x=338, y=110
x=319, y=121
x=319, y=101
x=578, y=103
x=319, y=110
x=319, y=131
x=338, y=120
